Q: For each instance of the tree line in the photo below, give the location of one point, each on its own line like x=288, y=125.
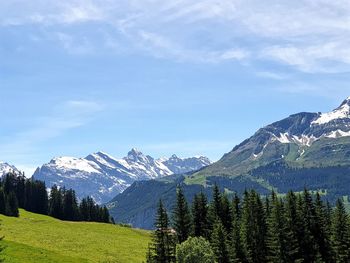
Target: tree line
x=294, y=228
x=16, y=192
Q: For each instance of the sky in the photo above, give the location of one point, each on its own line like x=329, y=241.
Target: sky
x=182, y=76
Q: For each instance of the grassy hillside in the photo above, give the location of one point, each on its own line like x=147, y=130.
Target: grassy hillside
x=38, y=238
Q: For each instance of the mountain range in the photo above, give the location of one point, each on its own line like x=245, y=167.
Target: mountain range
x=102, y=176
x=309, y=150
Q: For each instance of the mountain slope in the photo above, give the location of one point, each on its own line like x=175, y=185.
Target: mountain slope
x=295, y=140
x=304, y=150
x=102, y=176
x=35, y=238
x=6, y=168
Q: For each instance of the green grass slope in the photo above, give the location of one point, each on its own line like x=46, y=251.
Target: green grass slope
x=38, y=238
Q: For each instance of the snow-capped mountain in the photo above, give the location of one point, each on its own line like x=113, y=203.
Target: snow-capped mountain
x=6, y=168
x=184, y=165
x=294, y=139
x=102, y=176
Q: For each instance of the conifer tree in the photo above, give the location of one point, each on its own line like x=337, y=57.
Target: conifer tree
x=294, y=225
x=200, y=216
x=11, y=207
x=162, y=248
x=55, y=203
x=306, y=215
x=235, y=239
x=340, y=234
x=220, y=243
x=70, y=206
x=215, y=206
x=2, y=202
x=253, y=228
x=280, y=248
x=182, y=217
x=226, y=213
x=322, y=233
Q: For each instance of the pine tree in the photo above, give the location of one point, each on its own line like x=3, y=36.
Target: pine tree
x=340, y=234
x=294, y=225
x=2, y=202
x=219, y=243
x=55, y=203
x=200, y=216
x=322, y=233
x=253, y=228
x=226, y=213
x=215, y=206
x=182, y=217
x=70, y=206
x=11, y=205
x=84, y=211
x=280, y=248
x=306, y=217
x=162, y=248
x=235, y=239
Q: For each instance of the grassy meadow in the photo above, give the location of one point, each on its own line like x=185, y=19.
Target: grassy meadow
x=38, y=238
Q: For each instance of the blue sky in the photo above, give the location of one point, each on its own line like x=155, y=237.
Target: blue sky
x=186, y=77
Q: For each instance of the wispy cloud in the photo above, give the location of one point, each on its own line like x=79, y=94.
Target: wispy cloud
x=63, y=117
x=310, y=36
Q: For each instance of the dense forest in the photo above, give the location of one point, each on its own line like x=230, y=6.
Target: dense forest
x=283, y=229
x=16, y=191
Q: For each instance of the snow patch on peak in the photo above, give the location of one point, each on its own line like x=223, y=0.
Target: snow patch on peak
x=6, y=168
x=72, y=163
x=340, y=113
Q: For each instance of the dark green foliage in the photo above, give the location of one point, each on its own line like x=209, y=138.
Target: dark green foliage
x=298, y=228
x=70, y=206
x=162, y=249
x=11, y=205
x=253, y=228
x=281, y=247
x=182, y=217
x=215, y=206
x=235, y=238
x=293, y=225
x=340, y=234
x=18, y=192
x=323, y=230
x=220, y=244
x=200, y=216
x=89, y=211
x=307, y=226
x=55, y=203
x=226, y=213
x=2, y=202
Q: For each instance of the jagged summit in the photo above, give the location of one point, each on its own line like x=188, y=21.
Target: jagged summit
x=102, y=176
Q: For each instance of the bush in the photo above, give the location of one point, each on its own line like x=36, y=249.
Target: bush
x=195, y=250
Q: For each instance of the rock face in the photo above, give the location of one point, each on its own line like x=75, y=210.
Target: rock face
x=102, y=176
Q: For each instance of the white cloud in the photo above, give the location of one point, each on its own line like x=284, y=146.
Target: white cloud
x=311, y=36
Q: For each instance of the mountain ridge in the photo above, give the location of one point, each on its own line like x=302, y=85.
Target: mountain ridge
x=102, y=176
